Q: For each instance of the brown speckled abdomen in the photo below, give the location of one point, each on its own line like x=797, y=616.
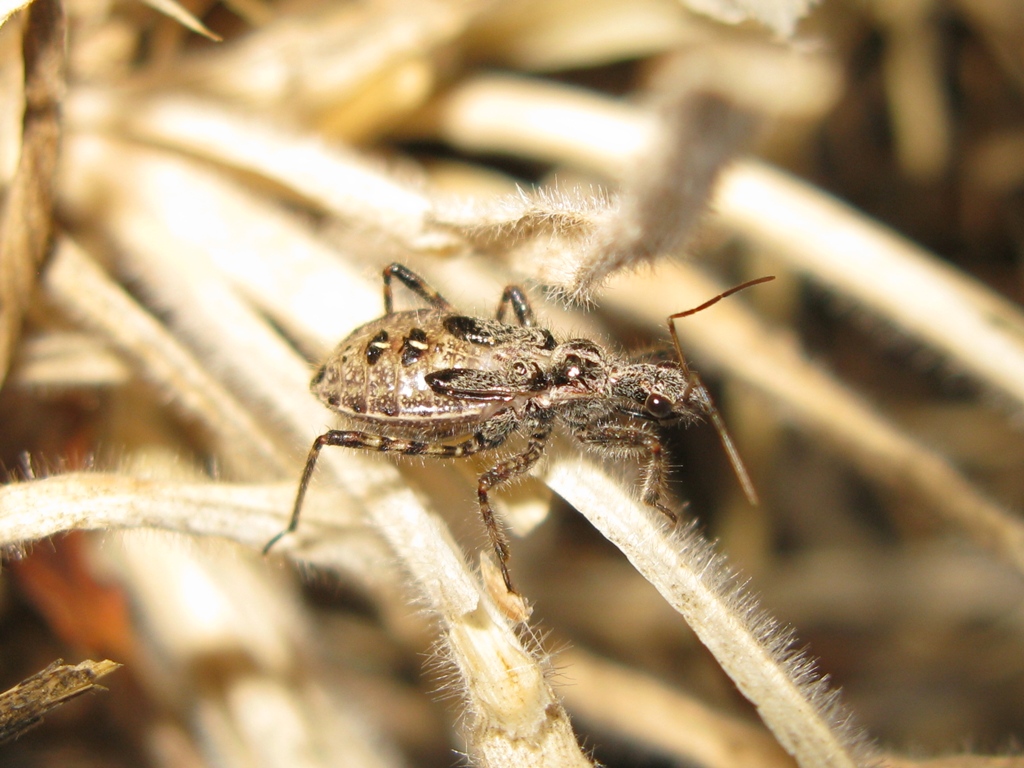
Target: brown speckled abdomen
x=378, y=375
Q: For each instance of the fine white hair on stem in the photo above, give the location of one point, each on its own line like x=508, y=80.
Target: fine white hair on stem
x=754, y=651
x=666, y=192
x=665, y=156
x=98, y=501
x=656, y=213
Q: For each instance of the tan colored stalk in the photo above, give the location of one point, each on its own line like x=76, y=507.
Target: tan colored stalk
x=26, y=216
x=88, y=295
x=752, y=648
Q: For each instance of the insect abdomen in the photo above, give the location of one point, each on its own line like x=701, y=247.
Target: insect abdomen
x=378, y=374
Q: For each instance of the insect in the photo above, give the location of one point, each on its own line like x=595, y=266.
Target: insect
x=434, y=382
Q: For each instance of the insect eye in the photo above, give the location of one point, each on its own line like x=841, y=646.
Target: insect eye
x=659, y=406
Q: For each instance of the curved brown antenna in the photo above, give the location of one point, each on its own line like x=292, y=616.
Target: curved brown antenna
x=718, y=298
x=738, y=467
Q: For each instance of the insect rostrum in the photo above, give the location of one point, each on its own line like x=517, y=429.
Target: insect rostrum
x=433, y=382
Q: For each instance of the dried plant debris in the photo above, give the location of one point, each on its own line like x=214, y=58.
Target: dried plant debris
x=180, y=14
x=574, y=239
x=25, y=219
x=794, y=702
x=24, y=706
x=9, y=7
x=781, y=16
x=660, y=204
x=217, y=219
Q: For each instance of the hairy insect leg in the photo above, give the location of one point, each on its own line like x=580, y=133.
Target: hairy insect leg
x=501, y=473
x=371, y=442
x=515, y=297
x=414, y=283
x=616, y=438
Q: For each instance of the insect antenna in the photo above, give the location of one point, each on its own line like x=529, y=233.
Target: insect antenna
x=738, y=467
x=712, y=302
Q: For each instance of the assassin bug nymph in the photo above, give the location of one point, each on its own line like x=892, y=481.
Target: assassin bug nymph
x=416, y=379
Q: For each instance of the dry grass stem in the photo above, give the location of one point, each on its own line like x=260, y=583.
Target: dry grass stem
x=328, y=177
x=537, y=119
x=981, y=333
x=95, y=501
x=23, y=706
x=627, y=702
x=9, y=7
x=539, y=36
x=69, y=360
x=780, y=15
x=347, y=69
x=247, y=514
x=269, y=707
x=86, y=294
x=179, y=13
x=752, y=648
x=922, y=120
x=25, y=219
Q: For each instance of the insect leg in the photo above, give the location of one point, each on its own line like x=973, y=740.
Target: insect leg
x=515, y=298
x=414, y=283
x=499, y=474
x=371, y=442
x=618, y=439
